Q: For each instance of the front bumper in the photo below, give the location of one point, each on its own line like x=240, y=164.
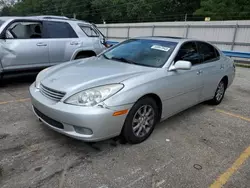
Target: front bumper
x=99, y=120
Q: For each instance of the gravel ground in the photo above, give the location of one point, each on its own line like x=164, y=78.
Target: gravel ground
x=191, y=149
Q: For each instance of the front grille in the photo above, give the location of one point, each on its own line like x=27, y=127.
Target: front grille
x=51, y=93
x=48, y=120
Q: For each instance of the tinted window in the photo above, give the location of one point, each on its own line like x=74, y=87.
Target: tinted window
x=217, y=53
x=145, y=52
x=89, y=31
x=60, y=30
x=206, y=51
x=188, y=52
x=98, y=30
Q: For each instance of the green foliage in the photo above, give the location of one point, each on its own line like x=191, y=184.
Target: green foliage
x=130, y=10
x=224, y=9
x=109, y=10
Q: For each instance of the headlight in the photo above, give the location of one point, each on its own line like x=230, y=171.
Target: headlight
x=39, y=77
x=93, y=96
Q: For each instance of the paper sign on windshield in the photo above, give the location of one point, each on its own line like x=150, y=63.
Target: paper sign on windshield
x=162, y=48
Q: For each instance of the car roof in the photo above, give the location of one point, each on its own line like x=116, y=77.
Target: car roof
x=166, y=38
x=44, y=17
x=173, y=39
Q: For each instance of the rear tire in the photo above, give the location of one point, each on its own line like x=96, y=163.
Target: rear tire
x=219, y=93
x=140, y=121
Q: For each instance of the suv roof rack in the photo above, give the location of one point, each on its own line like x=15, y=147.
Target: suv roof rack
x=52, y=17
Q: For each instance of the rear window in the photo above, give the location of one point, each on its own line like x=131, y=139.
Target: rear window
x=89, y=31
x=217, y=53
x=207, y=52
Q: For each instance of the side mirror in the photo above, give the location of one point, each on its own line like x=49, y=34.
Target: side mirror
x=181, y=65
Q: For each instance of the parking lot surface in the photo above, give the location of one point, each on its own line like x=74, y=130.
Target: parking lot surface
x=200, y=147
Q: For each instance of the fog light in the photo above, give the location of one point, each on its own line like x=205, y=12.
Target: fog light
x=83, y=130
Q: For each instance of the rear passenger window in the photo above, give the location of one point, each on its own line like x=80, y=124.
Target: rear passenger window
x=89, y=31
x=207, y=52
x=217, y=53
x=188, y=52
x=60, y=30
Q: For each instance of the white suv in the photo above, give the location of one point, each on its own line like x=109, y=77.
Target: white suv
x=29, y=43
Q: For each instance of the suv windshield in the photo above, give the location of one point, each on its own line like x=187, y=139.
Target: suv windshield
x=145, y=52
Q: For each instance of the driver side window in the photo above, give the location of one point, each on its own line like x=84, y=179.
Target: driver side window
x=24, y=30
x=188, y=52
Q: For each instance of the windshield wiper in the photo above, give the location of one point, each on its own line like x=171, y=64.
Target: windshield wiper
x=122, y=59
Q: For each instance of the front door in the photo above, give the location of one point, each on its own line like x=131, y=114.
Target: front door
x=184, y=86
x=24, y=46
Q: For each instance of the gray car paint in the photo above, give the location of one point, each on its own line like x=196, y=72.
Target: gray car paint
x=19, y=54
x=91, y=72
x=177, y=90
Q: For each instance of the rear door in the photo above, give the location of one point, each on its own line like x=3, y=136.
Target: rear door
x=186, y=85
x=63, y=41
x=25, y=45
x=212, y=69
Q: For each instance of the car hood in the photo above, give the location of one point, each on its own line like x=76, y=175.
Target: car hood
x=87, y=73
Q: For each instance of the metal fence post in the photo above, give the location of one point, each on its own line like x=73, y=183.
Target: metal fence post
x=234, y=36
x=153, y=30
x=187, y=29
x=128, y=32
x=107, y=32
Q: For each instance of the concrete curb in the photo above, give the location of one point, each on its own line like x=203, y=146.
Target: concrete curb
x=242, y=65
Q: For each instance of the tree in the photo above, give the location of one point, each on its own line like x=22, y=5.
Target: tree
x=224, y=9
x=108, y=10
x=5, y=11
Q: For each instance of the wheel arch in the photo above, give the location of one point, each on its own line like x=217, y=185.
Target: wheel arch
x=157, y=99
x=225, y=79
x=83, y=51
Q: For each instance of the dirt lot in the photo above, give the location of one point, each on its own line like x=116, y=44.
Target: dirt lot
x=202, y=146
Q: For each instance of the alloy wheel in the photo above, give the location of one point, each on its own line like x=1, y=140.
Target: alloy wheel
x=143, y=120
x=220, y=91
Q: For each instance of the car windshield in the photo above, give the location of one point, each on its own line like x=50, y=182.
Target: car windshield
x=145, y=52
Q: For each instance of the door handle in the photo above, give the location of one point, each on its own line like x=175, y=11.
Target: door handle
x=199, y=72
x=41, y=44
x=74, y=43
x=222, y=67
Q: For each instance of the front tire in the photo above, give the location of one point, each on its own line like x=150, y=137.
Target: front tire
x=219, y=93
x=140, y=121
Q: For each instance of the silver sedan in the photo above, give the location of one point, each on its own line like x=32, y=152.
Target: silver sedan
x=129, y=88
